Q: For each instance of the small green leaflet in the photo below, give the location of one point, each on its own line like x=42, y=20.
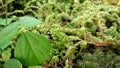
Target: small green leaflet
x=32, y=49
x=7, y=34
x=12, y=63
x=27, y=21
x=6, y=54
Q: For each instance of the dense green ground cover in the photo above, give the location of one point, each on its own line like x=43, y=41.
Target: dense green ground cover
x=65, y=33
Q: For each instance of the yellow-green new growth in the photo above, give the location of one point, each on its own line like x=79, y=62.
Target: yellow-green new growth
x=111, y=2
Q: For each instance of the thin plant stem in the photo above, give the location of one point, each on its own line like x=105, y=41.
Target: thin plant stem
x=6, y=11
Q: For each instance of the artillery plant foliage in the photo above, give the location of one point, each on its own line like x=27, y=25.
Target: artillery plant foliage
x=74, y=27
x=30, y=48
x=98, y=59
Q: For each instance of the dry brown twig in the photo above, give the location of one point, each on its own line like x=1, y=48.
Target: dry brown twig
x=100, y=25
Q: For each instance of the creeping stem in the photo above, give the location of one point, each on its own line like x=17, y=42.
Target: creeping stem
x=6, y=11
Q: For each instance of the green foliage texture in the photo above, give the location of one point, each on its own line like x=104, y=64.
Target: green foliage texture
x=74, y=27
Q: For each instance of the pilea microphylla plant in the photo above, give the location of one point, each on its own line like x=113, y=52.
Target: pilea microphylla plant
x=30, y=48
x=61, y=33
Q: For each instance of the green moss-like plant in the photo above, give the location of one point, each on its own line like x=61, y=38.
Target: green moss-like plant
x=99, y=59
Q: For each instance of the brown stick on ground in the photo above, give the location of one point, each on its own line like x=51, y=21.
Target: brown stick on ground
x=100, y=26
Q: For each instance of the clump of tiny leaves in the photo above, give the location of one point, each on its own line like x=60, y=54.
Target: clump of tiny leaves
x=74, y=26
x=98, y=59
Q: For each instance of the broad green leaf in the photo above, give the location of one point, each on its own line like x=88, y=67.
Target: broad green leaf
x=1, y=27
x=32, y=49
x=27, y=21
x=7, y=34
x=3, y=21
x=13, y=63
